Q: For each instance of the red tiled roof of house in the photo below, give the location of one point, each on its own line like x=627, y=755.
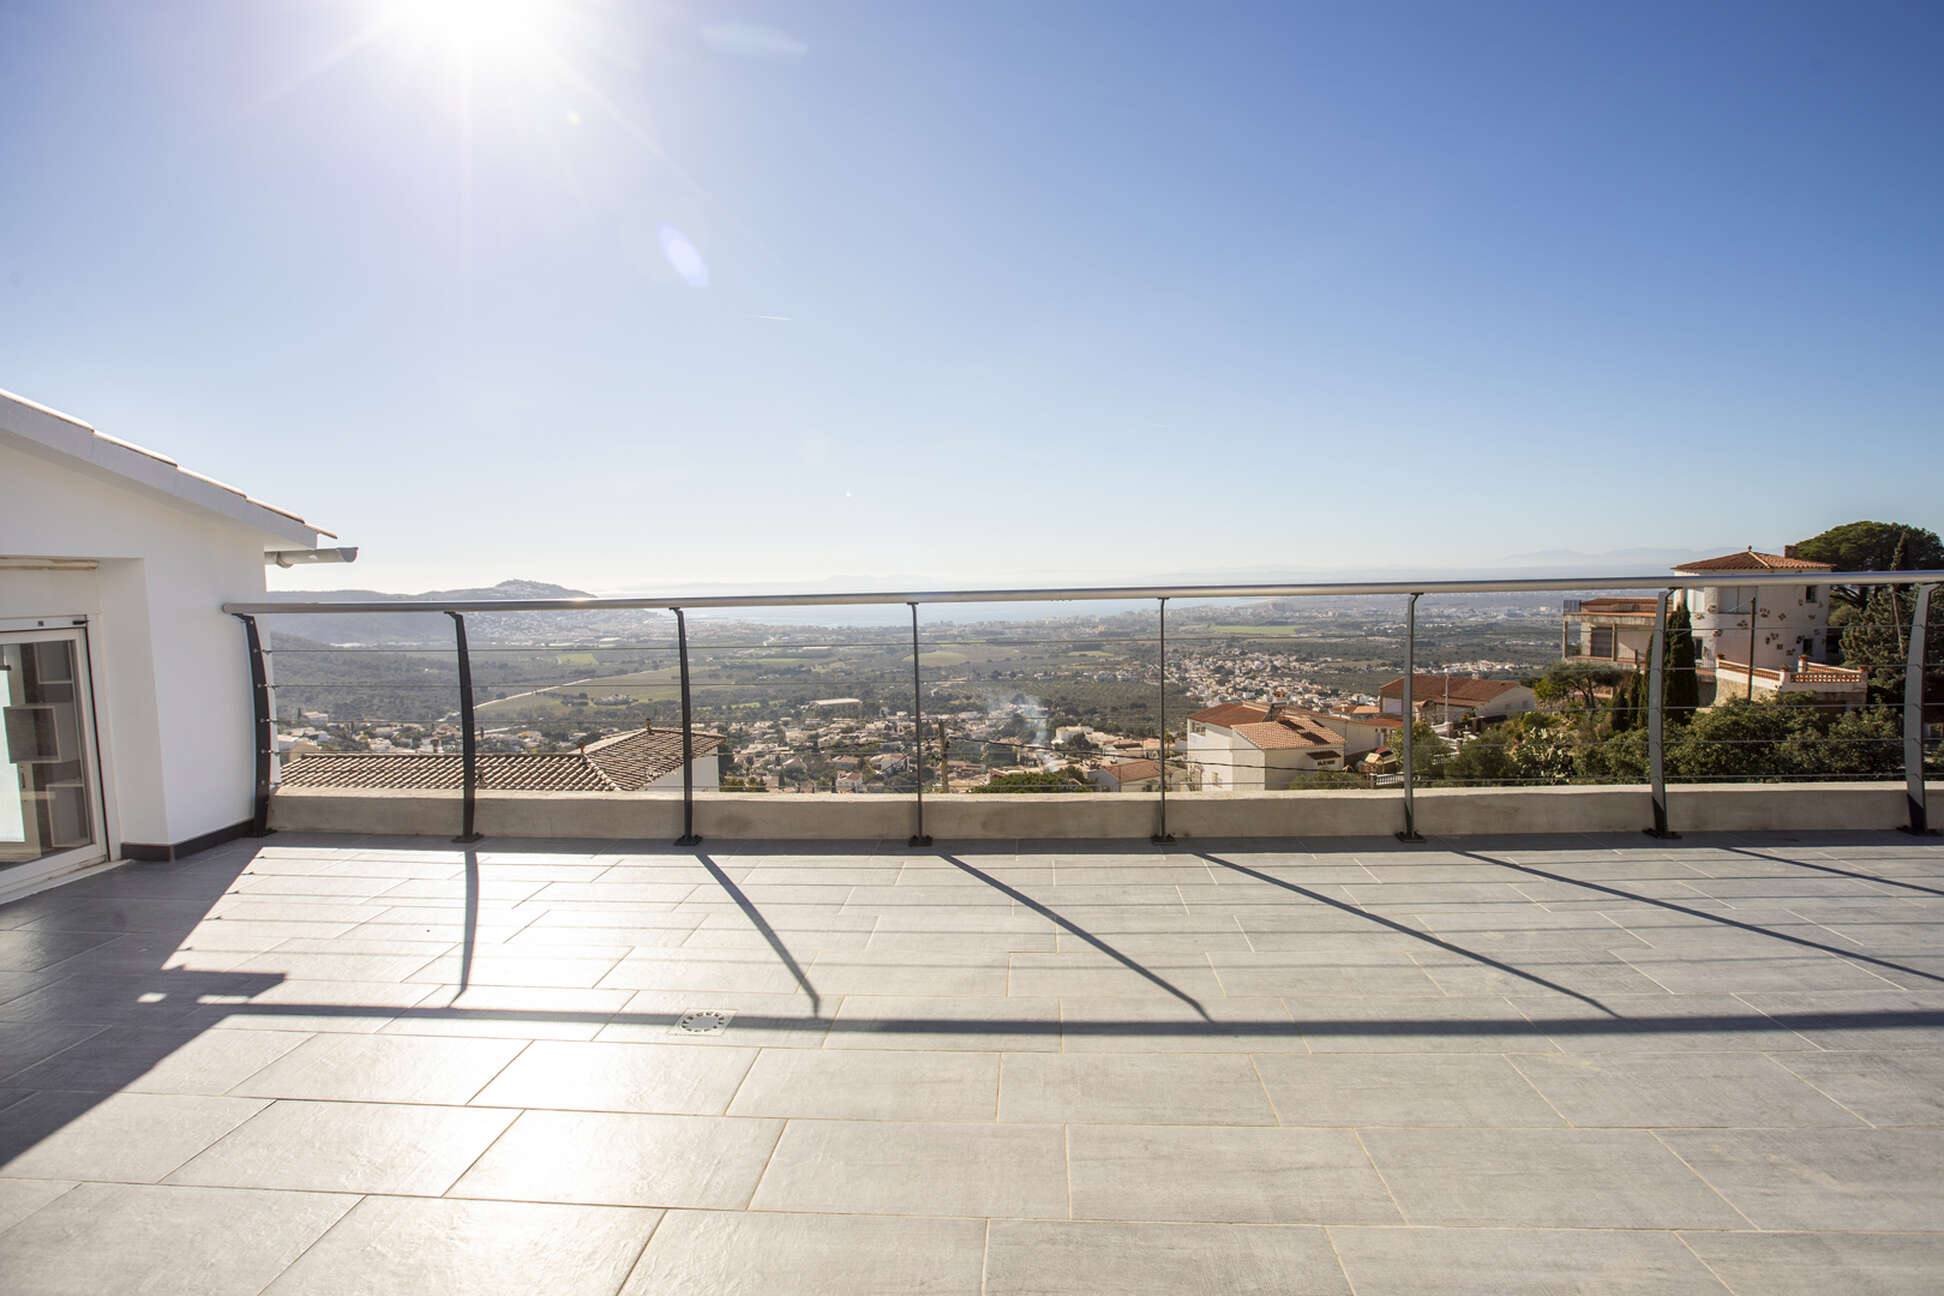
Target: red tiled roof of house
x=1231, y=713
x=1133, y=771
x=1750, y=560
x=1293, y=728
x=625, y=762
x=1466, y=690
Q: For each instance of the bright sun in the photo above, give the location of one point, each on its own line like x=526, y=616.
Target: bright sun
x=477, y=27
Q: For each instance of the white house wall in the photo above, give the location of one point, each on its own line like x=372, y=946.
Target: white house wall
x=172, y=682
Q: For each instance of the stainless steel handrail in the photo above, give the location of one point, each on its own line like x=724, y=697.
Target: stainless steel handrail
x=1323, y=589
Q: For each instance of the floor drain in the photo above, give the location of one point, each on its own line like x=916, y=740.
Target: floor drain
x=703, y=1022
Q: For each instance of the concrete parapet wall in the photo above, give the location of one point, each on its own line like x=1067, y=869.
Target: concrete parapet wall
x=863, y=817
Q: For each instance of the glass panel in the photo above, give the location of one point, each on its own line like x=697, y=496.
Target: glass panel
x=46, y=804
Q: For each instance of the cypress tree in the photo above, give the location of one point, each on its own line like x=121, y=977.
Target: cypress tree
x=1681, y=690
x=1626, y=700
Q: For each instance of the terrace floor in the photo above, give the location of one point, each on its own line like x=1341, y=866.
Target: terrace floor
x=310, y=1065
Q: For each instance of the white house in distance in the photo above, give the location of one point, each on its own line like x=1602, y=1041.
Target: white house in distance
x=1778, y=627
x=1135, y=776
x=127, y=696
x=1442, y=699
x=1262, y=746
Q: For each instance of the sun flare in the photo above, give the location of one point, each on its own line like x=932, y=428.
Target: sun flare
x=478, y=28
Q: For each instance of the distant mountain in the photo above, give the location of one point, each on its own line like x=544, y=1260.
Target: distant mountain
x=1618, y=562
x=506, y=589
x=435, y=628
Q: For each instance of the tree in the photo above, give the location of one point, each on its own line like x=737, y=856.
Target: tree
x=1033, y=781
x=1483, y=760
x=1629, y=703
x=1872, y=546
x=1863, y=742
x=1877, y=642
x=1681, y=687
x=1578, y=679
x=1739, y=739
x=1430, y=754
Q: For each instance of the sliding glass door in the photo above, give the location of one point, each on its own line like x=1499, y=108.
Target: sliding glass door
x=50, y=803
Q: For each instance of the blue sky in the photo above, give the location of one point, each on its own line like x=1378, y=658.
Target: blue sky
x=994, y=293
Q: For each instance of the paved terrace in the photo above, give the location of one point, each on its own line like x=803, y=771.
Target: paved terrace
x=1591, y=1064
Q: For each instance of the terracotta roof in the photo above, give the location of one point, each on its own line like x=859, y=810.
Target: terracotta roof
x=1293, y=728
x=624, y=763
x=1466, y=690
x=1229, y=713
x=1133, y=771
x=1750, y=560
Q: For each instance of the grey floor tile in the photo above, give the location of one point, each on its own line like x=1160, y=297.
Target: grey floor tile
x=337, y=1007
x=1101, y=976
x=602, y=1158
x=1520, y=1262
x=29, y=949
x=1292, y=973
x=349, y=1147
x=1132, y=1088
x=1648, y=1090
x=957, y=1024
x=157, y=1240
x=1402, y=1089
x=382, y=1068
x=1883, y=1088
x=1224, y=1175
x=1484, y=1024
x=665, y=1077
x=1810, y=1264
x=132, y=1059
x=756, y=1020
x=20, y=1198
x=1823, y=1179
x=133, y=1137
x=1030, y=1258
x=1711, y=1023
x=939, y=974
x=714, y=1253
x=1543, y=1178
x=917, y=1168
x=29, y=1042
x=1234, y=1024
x=1870, y=1020
x=859, y=1085
x=482, y=1248
x=510, y=1012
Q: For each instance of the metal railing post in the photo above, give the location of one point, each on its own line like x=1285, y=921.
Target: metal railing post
x=919, y=837
x=1161, y=834
x=688, y=837
x=1914, y=714
x=1410, y=833
x=468, y=743
x=264, y=726
x=1656, y=719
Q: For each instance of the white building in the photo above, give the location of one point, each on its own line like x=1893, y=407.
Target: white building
x=1263, y=746
x=127, y=692
x=1135, y=776
x=1773, y=627
x=1442, y=699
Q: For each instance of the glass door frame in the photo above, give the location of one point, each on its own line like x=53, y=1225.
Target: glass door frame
x=74, y=631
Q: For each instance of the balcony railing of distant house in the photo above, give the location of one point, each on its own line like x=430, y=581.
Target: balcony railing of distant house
x=1922, y=585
